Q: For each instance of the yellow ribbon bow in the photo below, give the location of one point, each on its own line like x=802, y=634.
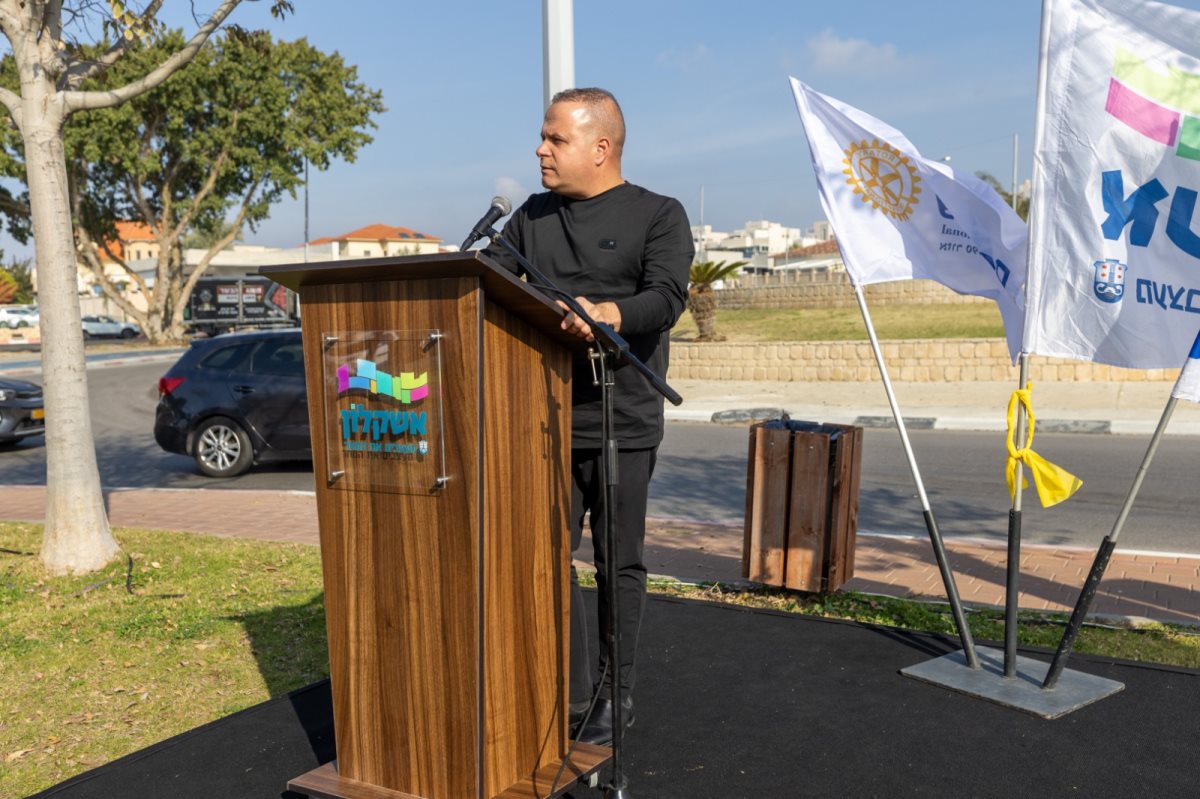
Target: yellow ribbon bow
x=1054, y=483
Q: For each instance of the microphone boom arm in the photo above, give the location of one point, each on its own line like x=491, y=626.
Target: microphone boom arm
x=607, y=338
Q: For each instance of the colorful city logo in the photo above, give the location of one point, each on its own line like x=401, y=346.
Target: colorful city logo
x=1109, y=283
x=408, y=387
x=1165, y=108
x=882, y=176
x=389, y=433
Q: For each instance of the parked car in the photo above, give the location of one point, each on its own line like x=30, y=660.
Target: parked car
x=236, y=400
x=21, y=410
x=14, y=316
x=98, y=326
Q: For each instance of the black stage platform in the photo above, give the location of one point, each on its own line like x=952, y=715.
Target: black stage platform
x=741, y=703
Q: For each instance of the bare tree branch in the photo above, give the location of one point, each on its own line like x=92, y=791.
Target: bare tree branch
x=230, y=236
x=210, y=183
x=88, y=250
x=80, y=70
x=13, y=207
x=81, y=101
x=10, y=18
x=12, y=102
x=51, y=24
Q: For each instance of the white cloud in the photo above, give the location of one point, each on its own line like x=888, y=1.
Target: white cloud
x=512, y=189
x=831, y=53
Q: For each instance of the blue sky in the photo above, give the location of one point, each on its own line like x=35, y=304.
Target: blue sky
x=703, y=86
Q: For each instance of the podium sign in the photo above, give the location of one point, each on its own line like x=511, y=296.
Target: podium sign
x=382, y=401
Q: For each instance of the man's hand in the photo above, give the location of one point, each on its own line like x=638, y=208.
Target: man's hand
x=605, y=312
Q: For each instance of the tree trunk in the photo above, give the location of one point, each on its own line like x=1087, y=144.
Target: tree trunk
x=702, y=303
x=77, y=537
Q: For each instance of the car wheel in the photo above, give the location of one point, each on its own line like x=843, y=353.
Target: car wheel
x=86, y=335
x=127, y=333
x=222, y=448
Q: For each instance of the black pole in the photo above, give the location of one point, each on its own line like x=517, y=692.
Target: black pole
x=960, y=618
x=1013, y=583
x=1081, y=608
x=1088, y=592
x=610, y=476
x=1012, y=593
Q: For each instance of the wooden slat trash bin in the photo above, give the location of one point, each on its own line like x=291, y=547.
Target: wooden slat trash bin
x=802, y=504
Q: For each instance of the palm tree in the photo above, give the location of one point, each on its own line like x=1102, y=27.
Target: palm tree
x=702, y=299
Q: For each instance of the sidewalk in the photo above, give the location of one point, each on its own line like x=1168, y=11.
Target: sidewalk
x=1136, y=585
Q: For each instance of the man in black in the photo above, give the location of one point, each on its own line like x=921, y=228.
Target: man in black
x=624, y=254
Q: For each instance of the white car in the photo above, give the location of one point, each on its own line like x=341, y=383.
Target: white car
x=14, y=316
x=97, y=326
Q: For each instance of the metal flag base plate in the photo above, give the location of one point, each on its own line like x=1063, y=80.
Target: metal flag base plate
x=1023, y=691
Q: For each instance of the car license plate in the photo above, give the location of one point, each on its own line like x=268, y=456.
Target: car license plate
x=39, y=413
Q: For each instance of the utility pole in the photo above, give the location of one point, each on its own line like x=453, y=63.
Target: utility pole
x=558, y=47
x=1014, y=179
x=306, y=238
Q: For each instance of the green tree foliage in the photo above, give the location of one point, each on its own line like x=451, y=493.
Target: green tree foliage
x=205, y=155
x=1022, y=208
x=702, y=299
x=8, y=288
x=21, y=275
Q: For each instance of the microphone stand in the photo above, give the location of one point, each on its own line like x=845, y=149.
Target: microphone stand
x=612, y=349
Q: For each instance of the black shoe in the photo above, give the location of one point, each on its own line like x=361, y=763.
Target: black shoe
x=599, y=728
x=576, y=715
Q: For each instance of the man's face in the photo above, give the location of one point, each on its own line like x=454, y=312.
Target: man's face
x=567, y=154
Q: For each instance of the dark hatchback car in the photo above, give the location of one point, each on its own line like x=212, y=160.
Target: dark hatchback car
x=21, y=410
x=235, y=400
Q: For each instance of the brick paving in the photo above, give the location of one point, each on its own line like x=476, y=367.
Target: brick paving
x=1136, y=585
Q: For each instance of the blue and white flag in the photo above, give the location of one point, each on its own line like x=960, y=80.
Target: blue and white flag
x=1114, y=265
x=900, y=217
x=1187, y=387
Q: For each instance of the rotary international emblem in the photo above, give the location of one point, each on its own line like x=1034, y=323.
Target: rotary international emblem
x=882, y=176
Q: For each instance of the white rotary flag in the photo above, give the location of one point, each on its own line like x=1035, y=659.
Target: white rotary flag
x=1114, y=267
x=898, y=216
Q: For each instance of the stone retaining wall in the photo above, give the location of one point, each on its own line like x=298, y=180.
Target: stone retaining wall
x=21, y=335
x=933, y=360
x=834, y=291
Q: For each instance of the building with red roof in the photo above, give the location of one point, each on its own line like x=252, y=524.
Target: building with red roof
x=378, y=240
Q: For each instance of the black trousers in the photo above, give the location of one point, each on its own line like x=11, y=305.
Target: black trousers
x=589, y=643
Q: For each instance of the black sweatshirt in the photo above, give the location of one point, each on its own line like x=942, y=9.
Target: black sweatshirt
x=628, y=246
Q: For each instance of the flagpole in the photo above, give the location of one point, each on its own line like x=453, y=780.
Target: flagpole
x=1012, y=583
x=935, y=537
x=1088, y=592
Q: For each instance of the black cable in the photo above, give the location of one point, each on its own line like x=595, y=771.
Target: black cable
x=16, y=552
x=575, y=741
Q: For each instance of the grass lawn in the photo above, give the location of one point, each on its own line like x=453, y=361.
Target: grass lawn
x=846, y=324
x=94, y=670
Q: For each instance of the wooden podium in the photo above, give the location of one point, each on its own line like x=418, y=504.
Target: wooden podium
x=440, y=409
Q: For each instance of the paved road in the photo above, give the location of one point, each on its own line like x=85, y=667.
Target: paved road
x=702, y=473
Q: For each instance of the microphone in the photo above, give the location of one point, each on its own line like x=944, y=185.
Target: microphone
x=500, y=207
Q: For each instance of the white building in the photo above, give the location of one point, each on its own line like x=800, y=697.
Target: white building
x=754, y=243
x=821, y=230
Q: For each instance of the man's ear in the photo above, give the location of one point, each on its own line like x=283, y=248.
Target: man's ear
x=602, y=149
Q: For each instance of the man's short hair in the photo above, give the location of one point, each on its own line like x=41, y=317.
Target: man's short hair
x=603, y=106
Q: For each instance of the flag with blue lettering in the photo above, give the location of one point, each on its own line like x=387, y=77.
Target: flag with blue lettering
x=898, y=216
x=1187, y=387
x=1114, y=264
